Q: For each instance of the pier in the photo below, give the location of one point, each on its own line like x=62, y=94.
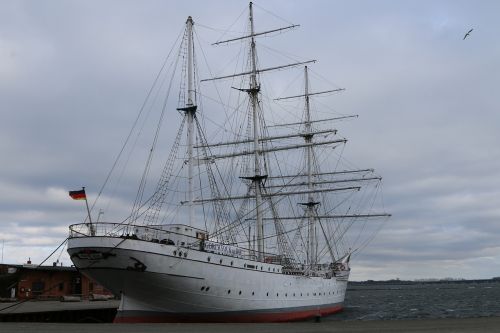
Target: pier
x=59, y=312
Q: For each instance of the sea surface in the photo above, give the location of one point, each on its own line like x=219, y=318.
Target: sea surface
x=420, y=301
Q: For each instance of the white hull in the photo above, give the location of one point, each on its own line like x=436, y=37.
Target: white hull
x=158, y=284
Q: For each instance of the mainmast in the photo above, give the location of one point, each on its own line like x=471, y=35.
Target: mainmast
x=310, y=204
x=190, y=111
x=257, y=178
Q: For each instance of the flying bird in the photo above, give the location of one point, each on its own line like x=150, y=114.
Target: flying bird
x=468, y=33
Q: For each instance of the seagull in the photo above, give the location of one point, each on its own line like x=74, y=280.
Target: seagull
x=468, y=33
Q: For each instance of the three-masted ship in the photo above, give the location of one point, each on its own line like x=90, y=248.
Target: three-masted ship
x=252, y=228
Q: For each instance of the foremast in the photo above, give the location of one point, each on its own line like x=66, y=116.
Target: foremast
x=190, y=110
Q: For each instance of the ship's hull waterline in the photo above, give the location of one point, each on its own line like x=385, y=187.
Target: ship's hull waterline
x=167, y=283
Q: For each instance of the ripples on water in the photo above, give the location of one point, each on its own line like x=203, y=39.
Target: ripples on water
x=426, y=300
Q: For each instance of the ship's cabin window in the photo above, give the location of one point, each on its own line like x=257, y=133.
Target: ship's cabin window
x=231, y=263
x=185, y=254
x=208, y=259
x=229, y=291
x=220, y=261
x=286, y=295
x=183, y=243
x=269, y=269
x=273, y=269
x=239, y=293
x=175, y=253
x=202, y=288
x=267, y=294
x=293, y=294
x=253, y=293
x=277, y=294
x=180, y=253
x=207, y=288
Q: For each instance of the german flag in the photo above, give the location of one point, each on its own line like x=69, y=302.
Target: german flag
x=78, y=195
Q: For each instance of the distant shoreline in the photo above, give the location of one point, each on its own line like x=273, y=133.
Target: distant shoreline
x=424, y=281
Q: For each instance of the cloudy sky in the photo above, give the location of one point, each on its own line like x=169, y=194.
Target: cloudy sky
x=73, y=75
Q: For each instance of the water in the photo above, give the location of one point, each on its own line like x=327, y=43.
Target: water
x=416, y=301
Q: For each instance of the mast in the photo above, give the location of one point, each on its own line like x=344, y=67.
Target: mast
x=257, y=178
x=311, y=237
x=190, y=110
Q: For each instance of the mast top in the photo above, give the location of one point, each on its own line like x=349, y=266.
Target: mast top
x=189, y=20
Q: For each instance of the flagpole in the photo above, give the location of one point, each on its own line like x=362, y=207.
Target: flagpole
x=92, y=233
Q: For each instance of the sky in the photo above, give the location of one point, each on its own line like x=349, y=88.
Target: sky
x=73, y=75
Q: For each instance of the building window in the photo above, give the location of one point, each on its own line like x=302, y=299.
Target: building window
x=91, y=286
x=61, y=286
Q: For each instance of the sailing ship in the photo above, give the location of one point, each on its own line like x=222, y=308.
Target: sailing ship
x=253, y=228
